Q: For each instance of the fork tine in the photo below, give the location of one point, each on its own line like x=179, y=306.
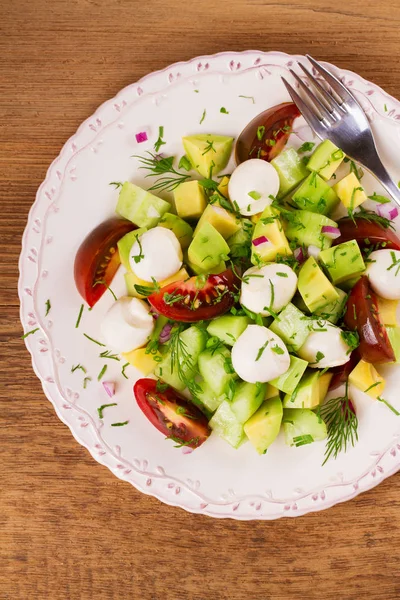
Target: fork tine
x=327, y=98
x=309, y=116
x=321, y=108
x=337, y=86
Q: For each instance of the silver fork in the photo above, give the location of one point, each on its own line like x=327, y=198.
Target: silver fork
x=337, y=116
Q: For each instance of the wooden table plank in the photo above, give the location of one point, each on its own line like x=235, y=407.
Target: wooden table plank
x=69, y=528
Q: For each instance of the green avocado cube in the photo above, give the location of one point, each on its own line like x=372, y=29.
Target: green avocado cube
x=263, y=427
x=190, y=200
x=326, y=159
x=208, y=248
x=291, y=170
x=139, y=206
x=208, y=153
x=343, y=262
x=314, y=286
x=289, y=381
x=182, y=230
x=315, y=195
x=228, y=328
x=125, y=245
x=310, y=392
x=292, y=326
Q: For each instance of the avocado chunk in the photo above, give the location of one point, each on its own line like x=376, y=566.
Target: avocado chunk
x=291, y=170
x=350, y=191
x=292, y=326
x=366, y=378
x=208, y=153
x=305, y=228
x=315, y=195
x=326, y=159
x=226, y=425
x=208, y=248
x=139, y=206
x=223, y=186
x=263, y=427
x=179, y=227
x=221, y=266
x=270, y=226
x=225, y=222
x=314, y=286
x=125, y=245
x=334, y=310
x=288, y=381
x=302, y=427
x=388, y=311
x=247, y=398
x=394, y=338
x=132, y=280
x=190, y=200
x=343, y=262
x=310, y=392
x=228, y=328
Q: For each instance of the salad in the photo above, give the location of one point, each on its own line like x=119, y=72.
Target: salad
x=252, y=294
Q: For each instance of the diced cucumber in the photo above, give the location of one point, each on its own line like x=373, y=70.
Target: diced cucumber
x=228, y=328
x=226, y=425
x=305, y=228
x=326, y=159
x=125, y=245
x=263, y=427
x=139, y=206
x=333, y=311
x=291, y=170
x=292, y=326
x=208, y=397
x=240, y=242
x=247, y=398
x=302, y=426
x=177, y=372
x=343, y=262
x=315, y=195
x=215, y=367
x=310, y=392
x=289, y=381
x=314, y=286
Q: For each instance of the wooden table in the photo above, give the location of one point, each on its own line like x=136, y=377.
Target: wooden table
x=69, y=528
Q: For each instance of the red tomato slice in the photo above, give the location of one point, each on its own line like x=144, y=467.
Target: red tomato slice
x=197, y=299
x=362, y=315
x=266, y=135
x=171, y=413
x=366, y=234
x=97, y=259
x=341, y=374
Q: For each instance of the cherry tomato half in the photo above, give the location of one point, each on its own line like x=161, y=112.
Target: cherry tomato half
x=362, y=315
x=197, y=299
x=266, y=135
x=366, y=234
x=171, y=413
x=97, y=259
x=341, y=373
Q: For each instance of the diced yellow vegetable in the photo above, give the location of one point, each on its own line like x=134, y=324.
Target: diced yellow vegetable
x=367, y=379
x=256, y=218
x=323, y=385
x=388, y=311
x=190, y=200
x=350, y=191
x=223, y=187
x=271, y=391
x=224, y=221
x=143, y=362
x=131, y=280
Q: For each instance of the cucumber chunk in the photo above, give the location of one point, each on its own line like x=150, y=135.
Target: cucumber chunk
x=215, y=367
x=228, y=328
x=208, y=397
x=292, y=326
x=141, y=207
x=288, y=381
x=291, y=170
x=247, y=398
x=226, y=425
x=315, y=195
x=326, y=159
x=305, y=228
x=302, y=426
x=310, y=392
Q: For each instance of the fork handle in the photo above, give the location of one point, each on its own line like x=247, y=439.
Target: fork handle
x=374, y=164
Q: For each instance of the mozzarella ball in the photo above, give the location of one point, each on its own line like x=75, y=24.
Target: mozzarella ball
x=156, y=254
x=384, y=273
x=259, y=355
x=253, y=186
x=127, y=325
x=325, y=346
x=273, y=286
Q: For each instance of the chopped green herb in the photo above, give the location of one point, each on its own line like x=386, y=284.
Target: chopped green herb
x=306, y=147
x=303, y=440
x=180, y=443
x=378, y=198
x=395, y=263
x=209, y=148
x=119, y=424
x=249, y=98
x=103, y=406
x=223, y=110
x=255, y=195
x=93, y=340
x=48, y=307
x=277, y=349
x=102, y=282
x=31, y=332
x=185, y=163
x=102, y=372
x=138, y=257
x=261, y=350
x=385, y=107
x=160, y=142
x=372, y=386
x=107, y=354
x=392, y=408
x=79, y=317
x=117, y=184
x=260, y=132
x=78, y=367
x=319, y=356
x=203, y=116
x=161, y=387
x=162, y=166
x=85, y=382
x=123, y=370
x=281, y=274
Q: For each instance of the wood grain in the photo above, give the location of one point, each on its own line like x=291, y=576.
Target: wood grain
x=70, y=529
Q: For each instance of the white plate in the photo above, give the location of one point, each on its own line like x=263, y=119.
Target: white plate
x=215, y=479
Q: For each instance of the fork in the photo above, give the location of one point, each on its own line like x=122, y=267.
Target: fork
x=336, y=115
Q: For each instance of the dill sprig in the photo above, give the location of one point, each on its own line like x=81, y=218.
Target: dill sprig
x=373, y=217
x=181, y=359
x=162, y=167
x=342, y=425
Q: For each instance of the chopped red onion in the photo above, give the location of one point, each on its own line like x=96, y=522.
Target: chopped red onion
x=260, y=240
x=165, y=333
x=153, y=313
x=331, y=232
x=313, y=251
x=388, y=211
x=187, y=450
x=141, y=137
x=109, y=386
x=299, y=255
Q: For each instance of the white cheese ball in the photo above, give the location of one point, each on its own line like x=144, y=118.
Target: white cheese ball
x=127, y=325
x=325, y=347
x=384, y=273
x=272, y=286
x=156, y=254
x=259, y=355
x=253, y=186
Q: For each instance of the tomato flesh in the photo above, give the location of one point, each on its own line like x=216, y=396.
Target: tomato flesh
x=366, y=234
x=97, y=259
x=197, y=299
x=341, y=373
x=362, y=315
x=266, y=135
x=171, y=413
